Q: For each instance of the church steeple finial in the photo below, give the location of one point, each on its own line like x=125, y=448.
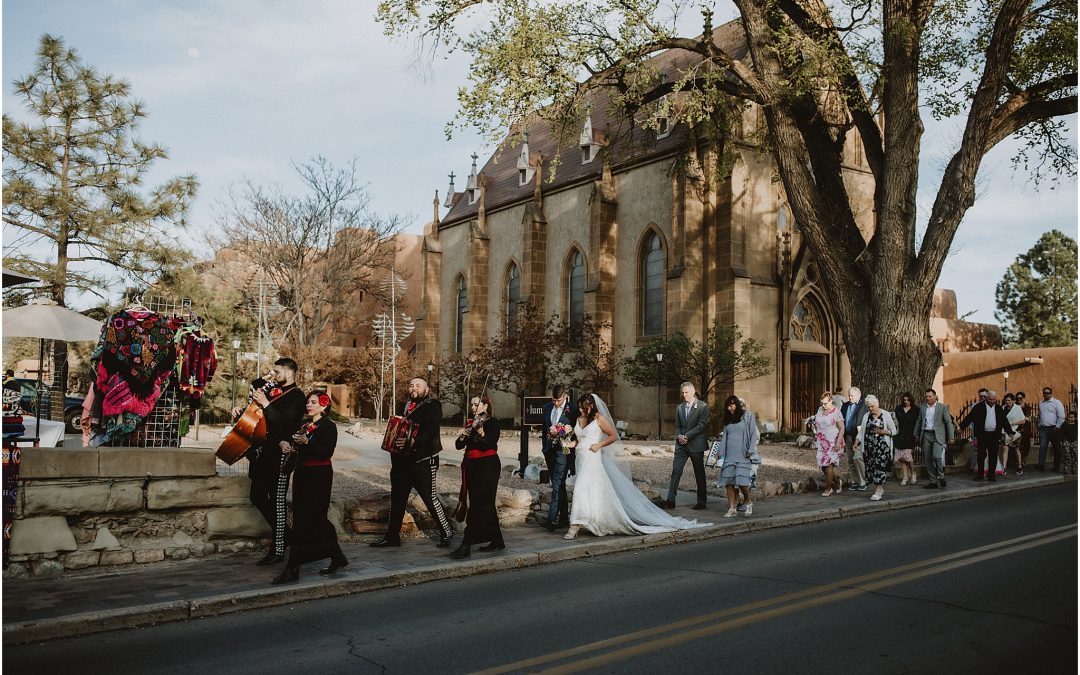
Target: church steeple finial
x=450, y=191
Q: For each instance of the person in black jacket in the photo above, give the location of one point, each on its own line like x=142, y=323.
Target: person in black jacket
x=480, y=470
x=313, y=535
x=990, y=425
x=283, y=408
x=415, y=467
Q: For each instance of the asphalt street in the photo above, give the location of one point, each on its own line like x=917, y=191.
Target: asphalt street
x=985, y=585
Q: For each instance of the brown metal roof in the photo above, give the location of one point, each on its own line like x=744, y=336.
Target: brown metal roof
x=629, y=144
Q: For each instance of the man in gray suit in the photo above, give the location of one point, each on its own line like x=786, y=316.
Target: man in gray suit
x=934, y=429
x=691, y=418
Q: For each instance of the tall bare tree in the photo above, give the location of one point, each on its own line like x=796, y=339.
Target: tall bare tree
x=822, y=72
x=320, y=249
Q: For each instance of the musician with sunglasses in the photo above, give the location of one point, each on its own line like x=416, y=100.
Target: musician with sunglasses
x=416, y=467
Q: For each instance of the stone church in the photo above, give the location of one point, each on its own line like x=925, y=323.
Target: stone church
x=636, y=227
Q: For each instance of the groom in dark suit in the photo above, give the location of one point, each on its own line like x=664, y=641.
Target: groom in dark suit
x=691, y=418
x=558, y=411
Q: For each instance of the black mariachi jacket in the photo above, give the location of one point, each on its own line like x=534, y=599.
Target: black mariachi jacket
x=283, y=417
x=428, y=415
x=321, y=442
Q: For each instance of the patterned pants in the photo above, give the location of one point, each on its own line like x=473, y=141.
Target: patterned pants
x=405, y=476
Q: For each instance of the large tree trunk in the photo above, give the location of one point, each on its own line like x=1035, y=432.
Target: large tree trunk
x=896, y=355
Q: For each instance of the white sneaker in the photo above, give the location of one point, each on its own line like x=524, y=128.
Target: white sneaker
x=904, y=482
x=875, y=497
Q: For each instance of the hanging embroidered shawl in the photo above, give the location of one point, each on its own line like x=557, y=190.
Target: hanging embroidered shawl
x=137, y=346
x=196, y=360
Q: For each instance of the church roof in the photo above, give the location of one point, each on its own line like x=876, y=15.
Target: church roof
x=629, y=146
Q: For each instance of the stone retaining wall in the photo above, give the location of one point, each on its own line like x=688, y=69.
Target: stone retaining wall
x=83, y=507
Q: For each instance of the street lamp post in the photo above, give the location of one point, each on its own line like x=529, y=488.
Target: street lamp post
x=659, y=402
x=430, y=368
x=1006, y=381
x=235, y=348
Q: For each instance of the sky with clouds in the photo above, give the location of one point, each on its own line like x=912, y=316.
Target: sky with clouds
x=238, y=89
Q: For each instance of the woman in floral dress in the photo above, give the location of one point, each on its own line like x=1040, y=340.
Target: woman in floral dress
x=875, y=437
x=829, y=439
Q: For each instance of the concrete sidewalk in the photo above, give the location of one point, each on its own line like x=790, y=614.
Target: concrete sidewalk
x=39, y=610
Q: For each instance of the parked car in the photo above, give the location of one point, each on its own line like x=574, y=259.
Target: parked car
x=72, y=404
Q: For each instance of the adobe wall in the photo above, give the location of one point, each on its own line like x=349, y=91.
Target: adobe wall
x=964, y=372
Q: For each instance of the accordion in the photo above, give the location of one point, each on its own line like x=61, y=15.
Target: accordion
x=400, y=434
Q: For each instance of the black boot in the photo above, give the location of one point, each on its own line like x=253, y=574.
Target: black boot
x=461, y=552
x=335, y=565
x=496, y=545
x=444, y=541
x=385, y=541
x=271, y=558
x=288, y=575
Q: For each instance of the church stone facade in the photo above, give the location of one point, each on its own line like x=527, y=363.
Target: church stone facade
x=637, y=228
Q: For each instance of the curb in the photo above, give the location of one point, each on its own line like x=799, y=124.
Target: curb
x=312, y=589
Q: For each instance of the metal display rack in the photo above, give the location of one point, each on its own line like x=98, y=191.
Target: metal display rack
x=161, y=428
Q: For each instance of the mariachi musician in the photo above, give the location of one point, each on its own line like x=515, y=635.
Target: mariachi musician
x=480, y=471
x=415, y=467
x=283, y=409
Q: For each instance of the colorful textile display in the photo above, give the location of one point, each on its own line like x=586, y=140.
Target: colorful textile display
x=134, y=360
x=11, y=488
x=196, y=359
x=138, y=346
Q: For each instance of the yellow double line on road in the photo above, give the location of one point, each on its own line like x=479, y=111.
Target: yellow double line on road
x=656, y=638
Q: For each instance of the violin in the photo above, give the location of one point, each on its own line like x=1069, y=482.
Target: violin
x=475, y=424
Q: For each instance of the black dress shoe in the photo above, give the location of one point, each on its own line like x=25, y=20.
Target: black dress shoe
x=563, y=523
x=271, y=558
x=461, y=552
x=931, y=485
x=493, y=546
x=288, y=575
x=335, y=565
x=943, y=482
x=665, y=504
x=547, y=524
x=700, y=506
x=385, y=542
x=978, y=476
x=444, y=542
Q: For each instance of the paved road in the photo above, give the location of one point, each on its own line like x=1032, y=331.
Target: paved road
x=982, y=585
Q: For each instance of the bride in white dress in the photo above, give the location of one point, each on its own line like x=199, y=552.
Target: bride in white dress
x=606, y=501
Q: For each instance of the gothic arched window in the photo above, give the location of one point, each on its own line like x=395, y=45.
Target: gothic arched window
x=513, y=297
x=576, y=295
x=459, y=323
x=652, y=287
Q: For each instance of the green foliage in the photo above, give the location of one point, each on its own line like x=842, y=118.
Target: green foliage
x=1036, y=300
x=73, y=179
x=716, y=362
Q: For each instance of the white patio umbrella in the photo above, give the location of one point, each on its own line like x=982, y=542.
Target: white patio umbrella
x=45, y=320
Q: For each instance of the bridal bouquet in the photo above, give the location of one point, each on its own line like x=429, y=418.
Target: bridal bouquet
x=562, y=435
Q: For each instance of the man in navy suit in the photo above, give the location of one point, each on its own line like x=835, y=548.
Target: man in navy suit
x=558, y=411
x=989, y=422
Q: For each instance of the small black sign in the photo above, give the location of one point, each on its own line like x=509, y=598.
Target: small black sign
x=534, y=410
